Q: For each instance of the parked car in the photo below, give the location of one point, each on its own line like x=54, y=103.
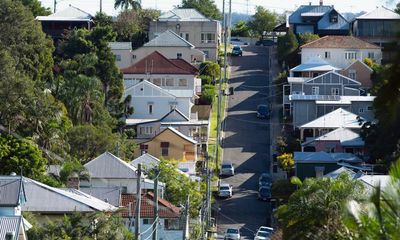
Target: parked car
x=264, y=193
x=227, y=169
x=263, y=235
x=225, y=190
x=265, y=42
x=263, y=111
x=237, y=51
x=232, y=234
x=266, y=229
x=265, y=180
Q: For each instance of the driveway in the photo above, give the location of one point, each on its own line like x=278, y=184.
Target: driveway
x=246, y=143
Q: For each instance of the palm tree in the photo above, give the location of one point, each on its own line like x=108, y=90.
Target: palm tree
x=125, y=4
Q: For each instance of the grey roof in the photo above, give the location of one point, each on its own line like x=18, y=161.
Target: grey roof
x=345, y=136
x=325, y=23
x=45, y=199
x=10, y=224
x=335, y=119
x=68, y=14
x=314, y=64
x=109, y=166
x=334, y=174
x=323, y=157
x=147, y=160
x=120, y=45
x=111, y=195
x=183, y=14
x=380, y=13
x=168, y=39
x=11, y=191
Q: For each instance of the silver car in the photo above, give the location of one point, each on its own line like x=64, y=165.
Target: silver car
x=225, y=190
x=232, y=234
x=227, y=169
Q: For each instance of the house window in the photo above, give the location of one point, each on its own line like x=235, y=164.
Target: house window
x=350, y=55
x=361, y=110
x=179, y=55
x=157, y=81
x=333, y=17
x=206, y=53
x=117, y=57
x=183, y=82
x=353, y=74
x=150, y=106
x=164, y=148
x=169, y=82
x=144, y=148
x=315, y=91
x=315, y=74
x=327, y=55
x=369, y=108
x=207, y=38
x=147, y=221
x=133, y=56
x=185, y=36
x=335, y=91
x=371, y=55
x=319, y=172
x=147, y=130
x=172, y=224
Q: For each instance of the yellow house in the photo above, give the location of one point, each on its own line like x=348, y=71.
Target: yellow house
x=170, y=144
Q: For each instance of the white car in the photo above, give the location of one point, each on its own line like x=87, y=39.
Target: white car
x=232, y=234
x=227, y=169
x=264, y=233
x=225, y=190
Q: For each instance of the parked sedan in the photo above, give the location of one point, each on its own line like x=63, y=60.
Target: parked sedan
x=261, y=235
x=225, y=190
x=265, y=180
x=264, y=193
x=263, y=111
x=232, y=234
x=227, y=169
x=237, y=51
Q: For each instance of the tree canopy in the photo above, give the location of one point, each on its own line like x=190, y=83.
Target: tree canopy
x=125, y=4
x=205, y=7
x=36, y=7
x=241, y=29
x=263, y=21
x=307, y=37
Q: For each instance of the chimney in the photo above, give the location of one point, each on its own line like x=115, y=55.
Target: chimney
x=73, y=181
x=321, y=2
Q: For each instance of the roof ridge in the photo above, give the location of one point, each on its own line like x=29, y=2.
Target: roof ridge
x=313, y=41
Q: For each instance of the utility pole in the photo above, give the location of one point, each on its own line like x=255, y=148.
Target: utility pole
x=186, y=224
x=138, y=200
x=230, y=21
x=101, y=6
x=155, y=218
x=55, y=5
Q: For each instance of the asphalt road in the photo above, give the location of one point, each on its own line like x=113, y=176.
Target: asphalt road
x=246, y=143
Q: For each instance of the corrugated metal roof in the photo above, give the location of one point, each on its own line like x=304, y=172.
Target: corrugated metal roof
x=10, y=189
x=324, y=157
x=334, y=174
x=111, y=195
x=69, y=13
x=109, y=166
x=10, y=224
x=120, y=45
x=335, y=119
x=308, y=10
x=147, y=160
x=380, y=13
x=183, y=14
x=345, y=136
x=314, y=64
x=168, y=39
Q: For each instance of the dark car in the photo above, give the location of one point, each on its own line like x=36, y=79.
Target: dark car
x=237, y=51
x=264, y=193
x=265, y=42
x=265, y=180
x=263, y=111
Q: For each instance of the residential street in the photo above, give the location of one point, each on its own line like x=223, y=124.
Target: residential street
x=246, y=143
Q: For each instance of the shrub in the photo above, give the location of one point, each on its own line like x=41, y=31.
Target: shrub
x=207, y=94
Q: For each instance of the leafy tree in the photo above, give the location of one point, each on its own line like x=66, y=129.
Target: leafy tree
x=263, y=20
x=286, y=162
x=397, y=9
x=102, y=19
x=287, y=144
x=241, y=29
x=209, y=68
x=125, y=4
x=378, y=217
x=287, y=45
x=179, y=186
x=205, y=7
x=307, y=38
x=26, y=42
x=314, y=211
x=73, y=167
x=36, y=7
x=207, y=94
x=21, y=153
x=282, y=189
x=78, y=226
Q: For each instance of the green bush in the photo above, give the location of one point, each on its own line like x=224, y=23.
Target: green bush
x=209, y=68
x=207, y=94
x=205, y=80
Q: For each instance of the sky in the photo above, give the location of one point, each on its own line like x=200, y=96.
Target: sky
x=240, y=6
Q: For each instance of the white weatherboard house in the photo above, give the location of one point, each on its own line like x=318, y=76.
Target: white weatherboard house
x=108, y=170
x=340, y=51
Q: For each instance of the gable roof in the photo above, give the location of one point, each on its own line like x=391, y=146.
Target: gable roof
x=111, y=195
x=168, y=39
x=314, y=64
x=11, y=224
x=335, y=119
x=109, y=166
x=324, y=157
x=176, y=132
x=183, y=14
x=333, y=77
x=70, y=13
x=343, y=42
x=11, y=188
x=156, y=63
x=380, y=13
x=173, y=112
x=308, y=11
x=345, y=136
x=334, y=174
x=162, y=91
x=147, y=160
x=359, y=62
x=165, y=208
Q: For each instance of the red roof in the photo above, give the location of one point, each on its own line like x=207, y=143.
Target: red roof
x=340, y=42
x=165, y=208
x=156, y=63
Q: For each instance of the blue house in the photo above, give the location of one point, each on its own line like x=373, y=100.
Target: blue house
x=318, y=19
